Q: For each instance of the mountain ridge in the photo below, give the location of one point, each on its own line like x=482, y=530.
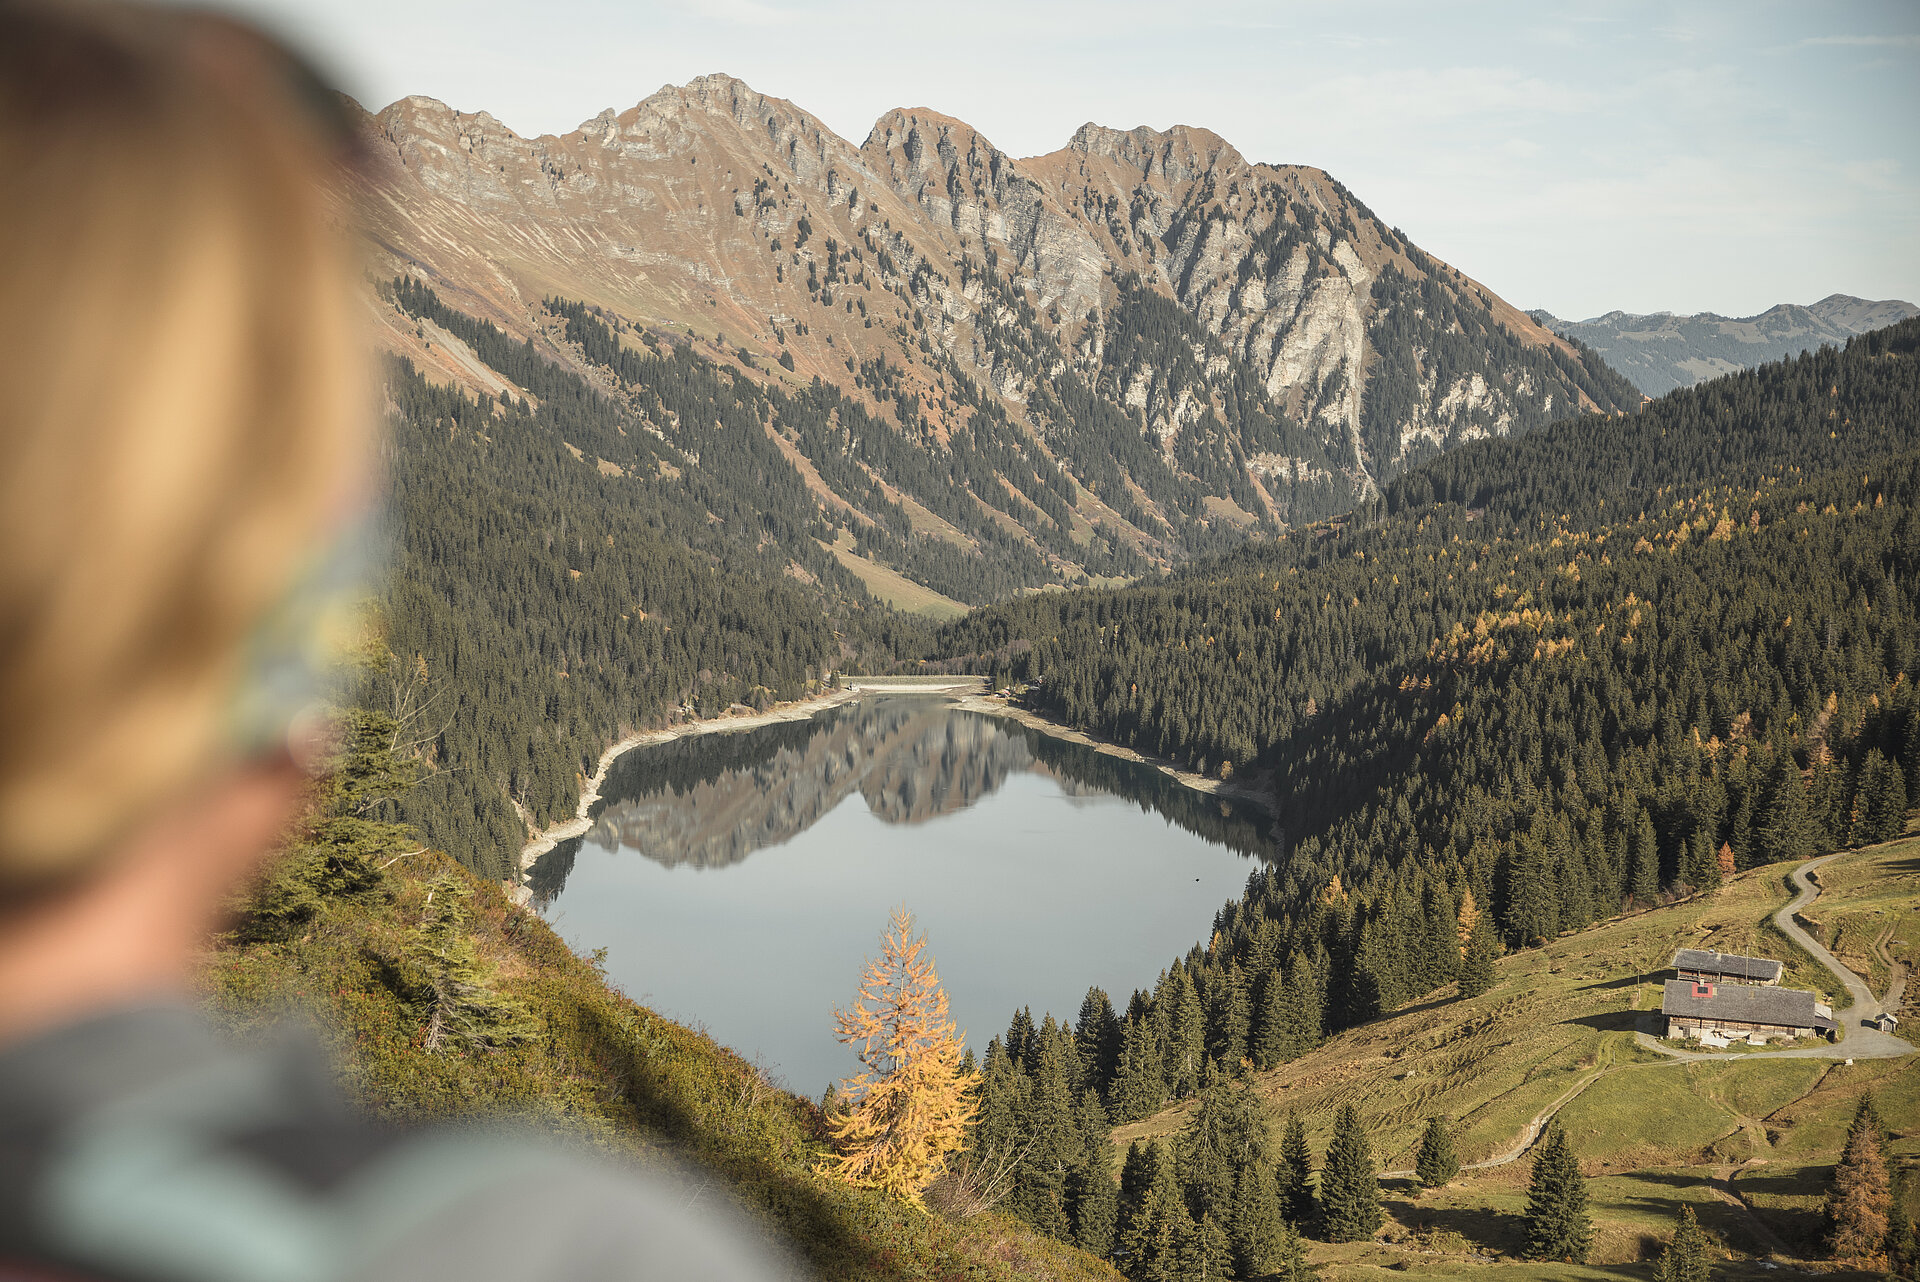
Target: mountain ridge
x=1185, y=346
x=1661, y=351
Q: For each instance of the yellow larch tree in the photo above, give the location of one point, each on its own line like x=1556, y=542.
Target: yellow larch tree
x=1469, y=914
x=895, y=1123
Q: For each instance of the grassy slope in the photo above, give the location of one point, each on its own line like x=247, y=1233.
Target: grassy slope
x=1652, y=1132
x=606, y=1070
x=1865, y=915
x=892, y=587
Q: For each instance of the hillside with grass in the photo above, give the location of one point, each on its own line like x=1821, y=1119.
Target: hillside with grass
x=1749, y=1141
x=443, y=1001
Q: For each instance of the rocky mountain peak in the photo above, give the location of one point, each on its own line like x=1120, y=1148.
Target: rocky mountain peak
x=916, y=146
x=1116, y=352
x=722, y=111
x=902, y=122
x=971, y=188
x=1173, y=156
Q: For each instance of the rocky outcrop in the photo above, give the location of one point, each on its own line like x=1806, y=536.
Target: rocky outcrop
x=949, y=287
x=965, y=185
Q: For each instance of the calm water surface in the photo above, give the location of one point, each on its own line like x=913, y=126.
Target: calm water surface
x=739, y=880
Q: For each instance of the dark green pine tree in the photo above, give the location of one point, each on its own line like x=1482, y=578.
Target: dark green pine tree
x=1476, y=969
x=1880, y=804
x=1154, y=1223
x=1440, y=949
x=1186, y=1048
x=1004, y=1089
x=1379, y=962
x=1289, y=1022
x=1910, y=745
x=1225, y=1134
x=1533, y=910
x=1827, y=796
x=1205, y=1251
x=1092, y=1199
x=1643, y=860
x=1903, y=1244
x=1139, y=1084
x=1700, y=869
x=1740, y=815
x=1254, y=1225
x=1289, y=1262
x=1272, y=1040
x=1293, y=1177
x=1230, y=1018
x=1903, y=1250
x=1138, y=1171
x=1020, y=1039
x=1558, y=1226
x=1438, y=1163
x=1583, y=900
x=1780, y=827
x=1096, y=1035
x=1039, y=1193
x=1349, y=1184
x=1686, y=1258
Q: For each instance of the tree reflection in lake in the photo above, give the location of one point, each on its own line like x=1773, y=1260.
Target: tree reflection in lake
x=1038, y=867
x=711, y=800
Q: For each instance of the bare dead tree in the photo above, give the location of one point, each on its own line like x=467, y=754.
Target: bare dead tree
x=976, y=1183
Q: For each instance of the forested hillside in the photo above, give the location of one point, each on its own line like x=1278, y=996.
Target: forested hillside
x=638, y=484
x=565, y=574
x=1542, y=680
x=993, y=374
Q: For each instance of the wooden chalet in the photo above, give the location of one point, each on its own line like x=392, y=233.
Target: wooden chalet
x=1720, y=1013
x=1724, y=968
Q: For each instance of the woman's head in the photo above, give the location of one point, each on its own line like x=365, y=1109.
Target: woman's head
x=183, y=423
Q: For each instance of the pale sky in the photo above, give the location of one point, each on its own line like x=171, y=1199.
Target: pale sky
x=1581, y=158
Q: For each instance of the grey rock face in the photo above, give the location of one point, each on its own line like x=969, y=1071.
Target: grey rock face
x=712, y=210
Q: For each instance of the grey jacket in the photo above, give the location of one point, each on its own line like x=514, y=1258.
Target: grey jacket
x=140, y=1147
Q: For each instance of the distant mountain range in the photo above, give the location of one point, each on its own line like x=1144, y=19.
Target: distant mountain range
x=1125, y=353
x=1661, y=352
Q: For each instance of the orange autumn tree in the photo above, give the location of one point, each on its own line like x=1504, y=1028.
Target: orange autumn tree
x=894, y=1124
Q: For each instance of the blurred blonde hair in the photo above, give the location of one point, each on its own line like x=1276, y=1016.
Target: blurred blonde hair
x=182, y=412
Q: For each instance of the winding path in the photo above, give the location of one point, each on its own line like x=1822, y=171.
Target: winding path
x=1530, y=1134
x=1857, y=1040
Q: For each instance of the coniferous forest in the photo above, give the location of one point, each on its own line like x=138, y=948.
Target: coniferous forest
x=1544, y=680
x=1541, y=680
x=609, y=553
x=562, y=575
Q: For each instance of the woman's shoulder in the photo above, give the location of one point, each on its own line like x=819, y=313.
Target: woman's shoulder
x=141, y=1145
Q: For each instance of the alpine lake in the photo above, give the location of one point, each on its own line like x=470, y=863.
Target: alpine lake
x=739, y=880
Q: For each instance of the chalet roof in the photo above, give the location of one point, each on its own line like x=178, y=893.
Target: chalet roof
x=1702, y=962
x=1748, y=1003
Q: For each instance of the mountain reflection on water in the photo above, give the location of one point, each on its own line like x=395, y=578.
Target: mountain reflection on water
x=712, y=800
x=738, y=880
